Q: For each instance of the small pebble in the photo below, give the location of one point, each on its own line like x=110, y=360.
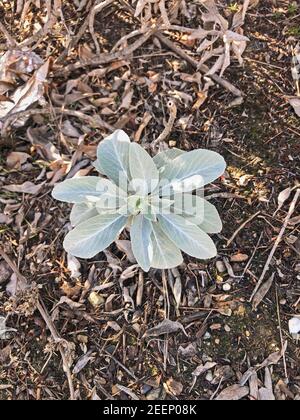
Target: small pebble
x=82, y=338
x=207, y=336
x=95, y=299
x=227, y=328
x=282, y=302
x=294, y=325
x=226, y=287
x=209, y=377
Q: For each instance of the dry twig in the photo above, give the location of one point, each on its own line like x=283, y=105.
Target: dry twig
x=277, y=242
x=107, y=58
x=169, y=126
x=241, y=227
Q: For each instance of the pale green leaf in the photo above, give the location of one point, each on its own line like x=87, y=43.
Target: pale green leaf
x=94, y=235
x=140, y=233
x=143, y=171
x=187, y=236
x=198, y=211
x=77, y=190
x=163, y=158
x=192, y=170
x=98, y=167
x=82, y=212
x=166, y=254
x=113, y=197
x=113, y=157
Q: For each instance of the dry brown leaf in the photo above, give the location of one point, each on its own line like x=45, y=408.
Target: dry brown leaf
x=165, y=327
x=262, y=292
x=200, y=370
x=266, y=394
x=27, y=94
x=283, y=197
x=82, y=362
x=233, y=393
x=26, y=188
x=177, y=291
x=74, y=267
x=246, y=376
x=147, y=117
x=173, y=387
x=64, y=299
x=40, y=139
x=127, y=97
x=239, y=17
x=71, y=290
x=16, y=159
x=274, y=358
x=125, y=246
x=295, y=102
x=253, y=385
x=15, y=285
x=202, y=96
x=239, y=258
x=15, y=62
x=5, y=219
x=187, y=352
x=129, y=272
x=128, y=392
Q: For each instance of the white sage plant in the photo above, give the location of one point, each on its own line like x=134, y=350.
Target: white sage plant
x=153, y=198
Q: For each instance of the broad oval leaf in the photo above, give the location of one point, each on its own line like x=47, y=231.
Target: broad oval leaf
x=77, y=190
x=82, y=212
x=193, y=170
x=143, y=171
x=94, y=235
x=113, y=157
x=141, y=243
x=163, y=158
x=112, y=198
x=166, y=254
x=198, y=211
x=187, y=236
x=212, y=222
x=98, y=167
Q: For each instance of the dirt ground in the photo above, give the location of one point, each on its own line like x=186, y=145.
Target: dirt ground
x=111, y=353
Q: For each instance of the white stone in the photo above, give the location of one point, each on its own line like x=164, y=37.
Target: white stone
x=226, y=287
x=294, y=325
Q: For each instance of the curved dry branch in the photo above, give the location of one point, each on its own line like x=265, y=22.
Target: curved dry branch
x=98, y=7
x=52, y=13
